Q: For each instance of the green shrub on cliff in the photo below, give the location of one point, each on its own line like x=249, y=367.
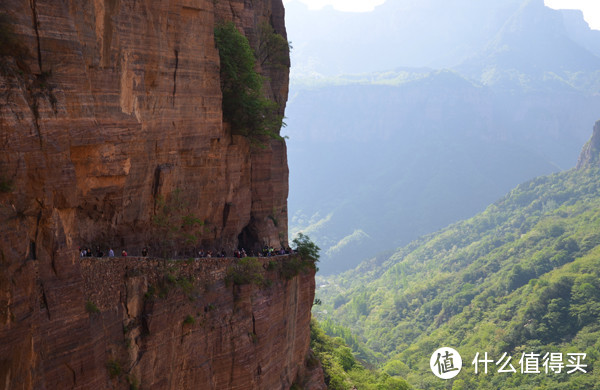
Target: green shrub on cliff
x=291, y=266
x=245, y=271
x=114, y=368
x=189, y=320
x=6, y=185
x=273, y=49
x=244, y=105
x=91, y=307
x=307, y=249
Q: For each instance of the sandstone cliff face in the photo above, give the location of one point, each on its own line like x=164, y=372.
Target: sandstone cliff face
x=109, y=105
x=176, y=325
x=117, y=102
x=590, y=154
x=157, y=324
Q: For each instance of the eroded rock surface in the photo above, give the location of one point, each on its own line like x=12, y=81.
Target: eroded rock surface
x=105, y=106
x=179, y=325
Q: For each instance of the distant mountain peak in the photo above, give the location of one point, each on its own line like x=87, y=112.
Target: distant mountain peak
x=535, y=44
x=590, y=154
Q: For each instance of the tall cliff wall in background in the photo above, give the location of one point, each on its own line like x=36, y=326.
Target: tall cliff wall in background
x=105, y=106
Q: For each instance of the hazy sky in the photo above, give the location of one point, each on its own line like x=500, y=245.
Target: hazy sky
x=590, y=8
x=342, y=5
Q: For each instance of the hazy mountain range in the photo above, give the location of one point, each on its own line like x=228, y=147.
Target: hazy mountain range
x=421, y=113
x=425, y=33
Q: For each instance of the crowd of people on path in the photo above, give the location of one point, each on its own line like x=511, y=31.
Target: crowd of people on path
x=87, y=252
x=267, y=251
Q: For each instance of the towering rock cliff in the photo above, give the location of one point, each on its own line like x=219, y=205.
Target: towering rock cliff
x=114, y=103
x=106, y=107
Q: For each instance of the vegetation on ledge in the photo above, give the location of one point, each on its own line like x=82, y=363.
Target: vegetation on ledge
x=245, y=107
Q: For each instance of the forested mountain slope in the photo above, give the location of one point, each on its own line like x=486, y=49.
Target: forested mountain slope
x=521, y=277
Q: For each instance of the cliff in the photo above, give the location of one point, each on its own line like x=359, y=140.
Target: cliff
x=111, y=104
x=107, y=107
x=178, y=325
x=590, y=154
x=160, y=324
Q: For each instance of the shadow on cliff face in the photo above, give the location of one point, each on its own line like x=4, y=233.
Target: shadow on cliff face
x=249, y=237
x=10, y=46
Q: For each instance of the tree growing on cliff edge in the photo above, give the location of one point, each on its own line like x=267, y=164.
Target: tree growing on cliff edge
x=273, y=49
x=244, y=105
x=307, y=249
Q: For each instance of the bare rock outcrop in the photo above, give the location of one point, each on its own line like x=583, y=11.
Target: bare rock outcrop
x=590, y=154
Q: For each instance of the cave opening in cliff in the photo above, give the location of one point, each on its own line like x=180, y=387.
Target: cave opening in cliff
x=248, y=238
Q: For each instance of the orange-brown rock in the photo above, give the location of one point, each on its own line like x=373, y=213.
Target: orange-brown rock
x=105, y=107
x=178, y=325
x=117, y=102
x=166, y=325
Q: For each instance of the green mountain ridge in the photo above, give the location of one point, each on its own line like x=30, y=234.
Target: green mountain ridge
x=401, y=153
x=521, y=277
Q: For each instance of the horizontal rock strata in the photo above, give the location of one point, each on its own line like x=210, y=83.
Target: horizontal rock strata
x=106, y=107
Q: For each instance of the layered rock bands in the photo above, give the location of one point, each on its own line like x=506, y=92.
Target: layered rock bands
x=106, y=107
